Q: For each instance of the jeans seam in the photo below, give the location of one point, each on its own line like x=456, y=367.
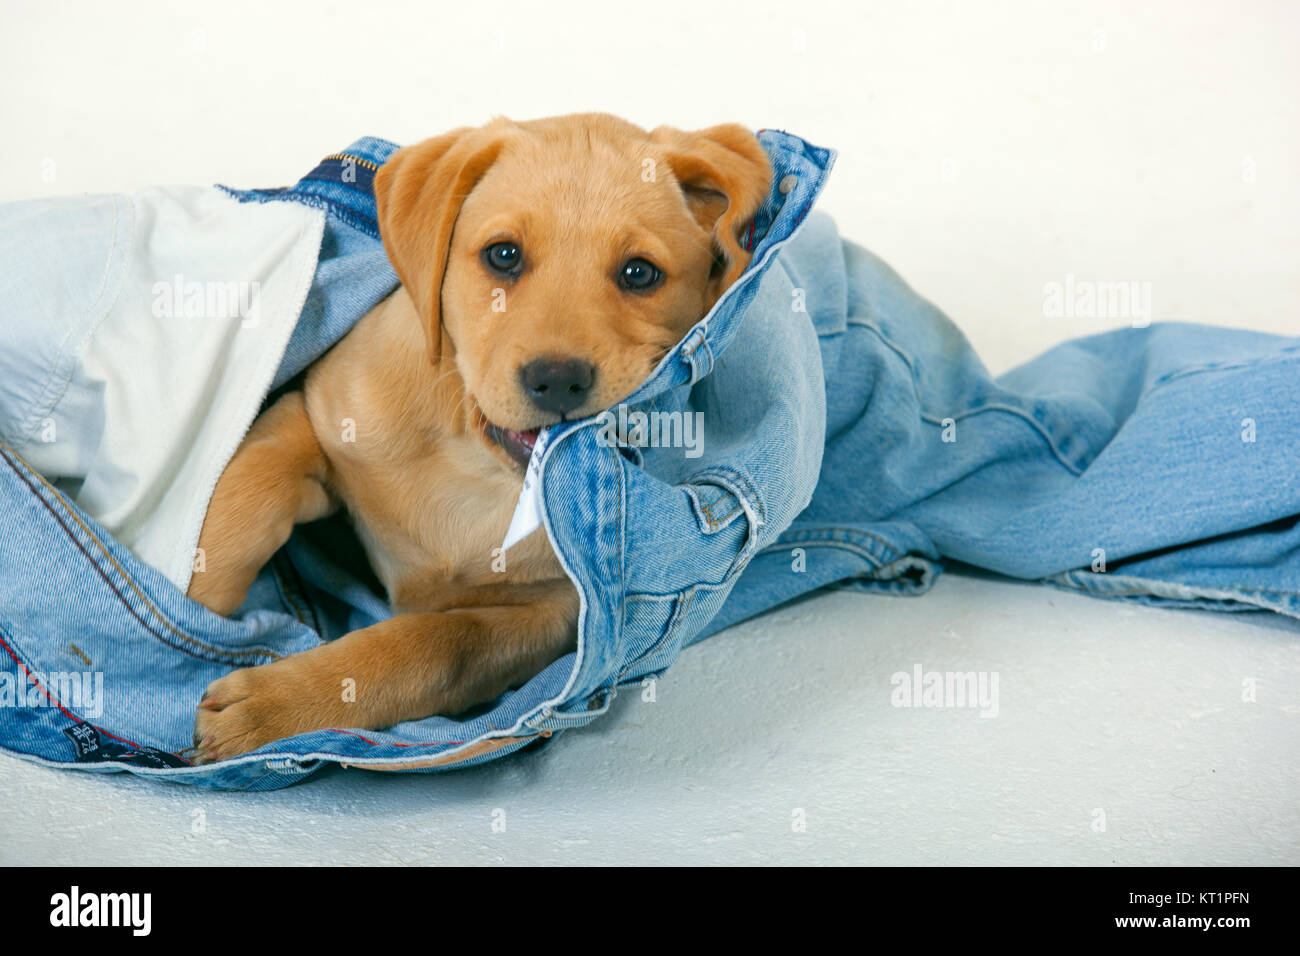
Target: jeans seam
x=300, y=589
x=360, y=160
x=891, y=553
x=716, y=522
x=619, y=465
x=1128, y=591
x=933, y=419
x=1278, y=356
x=673, y=626
x=286, y=598
x=224, y=655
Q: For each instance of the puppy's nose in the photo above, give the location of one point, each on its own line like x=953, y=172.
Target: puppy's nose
x=557, y=385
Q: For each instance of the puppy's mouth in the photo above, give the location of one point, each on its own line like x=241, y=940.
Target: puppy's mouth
x=517, y=444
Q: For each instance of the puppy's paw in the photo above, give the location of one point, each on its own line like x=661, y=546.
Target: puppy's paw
x=255, y=706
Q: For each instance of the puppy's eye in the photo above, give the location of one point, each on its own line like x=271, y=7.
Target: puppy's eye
x=638, y=275
x=503, y=257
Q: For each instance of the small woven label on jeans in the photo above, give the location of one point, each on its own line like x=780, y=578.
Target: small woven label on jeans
x=91, y=746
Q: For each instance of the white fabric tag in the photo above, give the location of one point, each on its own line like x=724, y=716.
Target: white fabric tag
x=528, y=512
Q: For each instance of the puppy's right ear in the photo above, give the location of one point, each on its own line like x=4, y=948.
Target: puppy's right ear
x=418, y=195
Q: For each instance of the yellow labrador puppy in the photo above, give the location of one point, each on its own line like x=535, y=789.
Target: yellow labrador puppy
x=546, y=268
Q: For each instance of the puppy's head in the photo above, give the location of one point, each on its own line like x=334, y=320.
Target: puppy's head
x=559, y=260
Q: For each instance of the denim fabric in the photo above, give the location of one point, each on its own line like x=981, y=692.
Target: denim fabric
x=1156, y=464
x=851, y=438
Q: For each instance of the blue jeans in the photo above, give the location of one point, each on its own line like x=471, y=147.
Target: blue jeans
x=851, y=438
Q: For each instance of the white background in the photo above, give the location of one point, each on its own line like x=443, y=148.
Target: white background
x=986, y=150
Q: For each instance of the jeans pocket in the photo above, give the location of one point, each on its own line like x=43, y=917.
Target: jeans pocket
x=727, y=506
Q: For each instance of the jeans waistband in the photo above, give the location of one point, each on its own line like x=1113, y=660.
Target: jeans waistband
x=342, y=183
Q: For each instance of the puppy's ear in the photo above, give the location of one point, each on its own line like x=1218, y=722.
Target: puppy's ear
x=418, y=195
x=725, y=175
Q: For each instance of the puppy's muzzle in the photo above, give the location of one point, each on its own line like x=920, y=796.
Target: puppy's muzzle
x=557, y=385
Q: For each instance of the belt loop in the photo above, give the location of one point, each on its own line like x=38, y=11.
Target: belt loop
x=696, y=353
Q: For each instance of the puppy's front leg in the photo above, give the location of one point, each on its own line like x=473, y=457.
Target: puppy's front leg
x=406, y=668
x=275, y=480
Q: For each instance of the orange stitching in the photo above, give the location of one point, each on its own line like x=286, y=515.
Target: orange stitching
x=356, y=159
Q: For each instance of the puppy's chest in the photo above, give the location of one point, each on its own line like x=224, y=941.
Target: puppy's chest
x=435, y=522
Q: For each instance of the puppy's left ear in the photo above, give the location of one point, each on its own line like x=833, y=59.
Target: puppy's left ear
x=725, y=176
x=418, y=195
